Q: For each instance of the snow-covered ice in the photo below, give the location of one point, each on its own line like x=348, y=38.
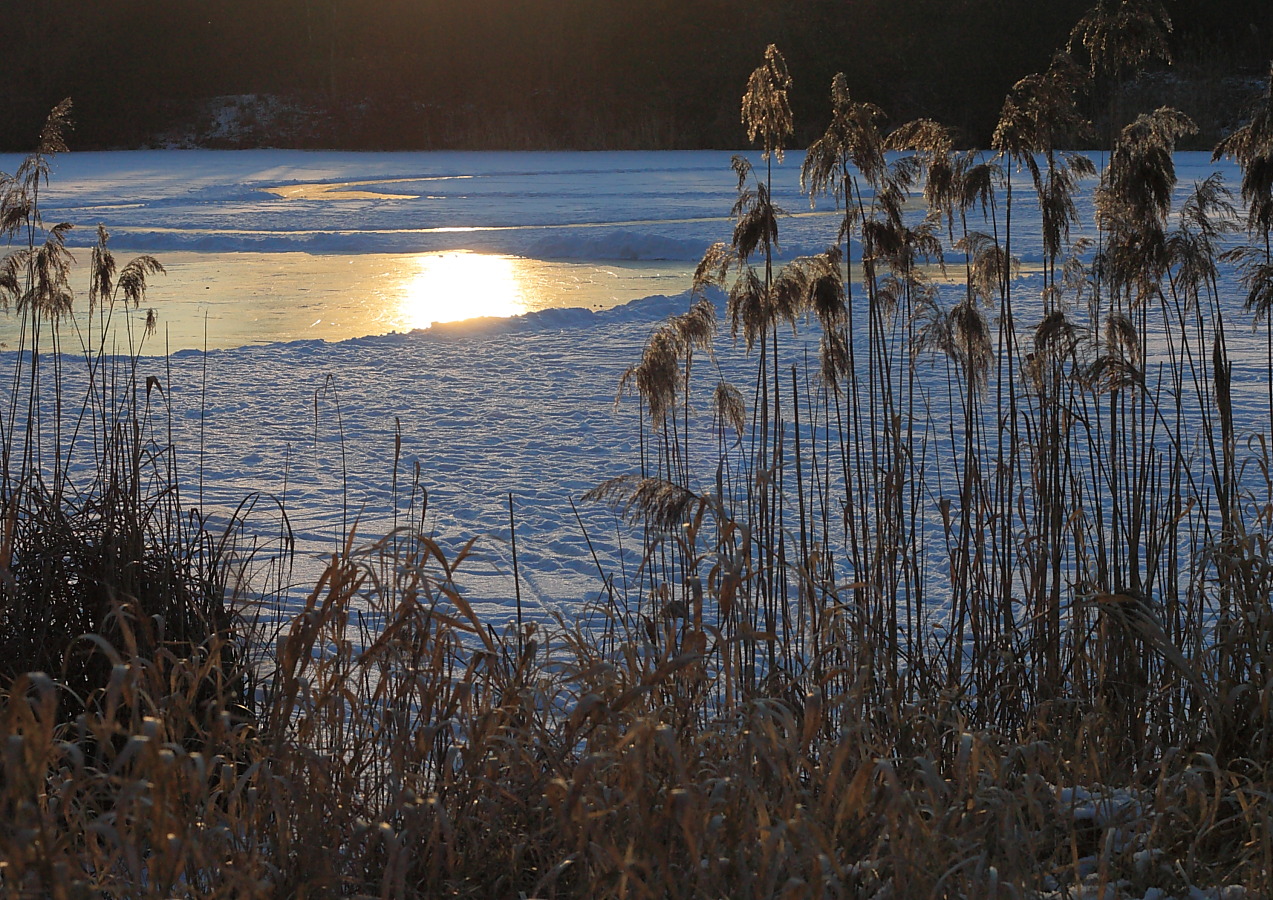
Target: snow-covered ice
x=615, y=205
x=485, y=408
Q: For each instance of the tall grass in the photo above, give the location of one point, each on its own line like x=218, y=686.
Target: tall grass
x=430, y=758
x=96, y=540
x=972, y=600
x=1068, y=461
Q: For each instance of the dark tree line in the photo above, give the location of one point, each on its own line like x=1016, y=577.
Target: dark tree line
x=540, y=73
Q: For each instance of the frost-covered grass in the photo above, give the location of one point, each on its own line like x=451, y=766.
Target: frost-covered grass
x=918, y=587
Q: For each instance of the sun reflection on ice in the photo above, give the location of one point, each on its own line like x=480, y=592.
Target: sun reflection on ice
x=461, y=285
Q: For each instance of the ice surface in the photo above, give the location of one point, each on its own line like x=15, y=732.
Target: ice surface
x=576, y=205
x=485, y=407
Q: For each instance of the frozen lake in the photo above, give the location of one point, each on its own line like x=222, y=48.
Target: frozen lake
x=272, y=246
x=312, y=271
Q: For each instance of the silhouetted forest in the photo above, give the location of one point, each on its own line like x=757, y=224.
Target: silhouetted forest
x=518, y=74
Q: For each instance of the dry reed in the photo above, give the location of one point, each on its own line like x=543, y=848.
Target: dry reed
x=1019, y=648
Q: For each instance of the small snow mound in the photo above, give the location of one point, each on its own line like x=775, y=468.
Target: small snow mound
x=541, y=320
x=647, y=309
x=1102, y=807
x=658, y=307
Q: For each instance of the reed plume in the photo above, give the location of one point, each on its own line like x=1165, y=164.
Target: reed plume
x=1252, y=147
x=766, y=109
x=1121, y=35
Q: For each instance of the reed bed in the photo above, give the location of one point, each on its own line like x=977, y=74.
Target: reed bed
x=432, y=758
x=971, y=600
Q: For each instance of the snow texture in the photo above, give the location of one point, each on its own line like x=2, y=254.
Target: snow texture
x=484, y=408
